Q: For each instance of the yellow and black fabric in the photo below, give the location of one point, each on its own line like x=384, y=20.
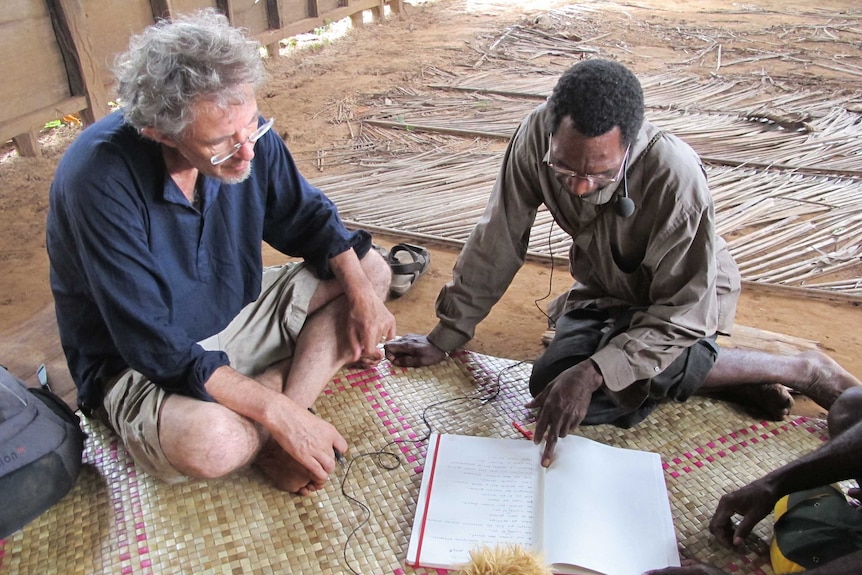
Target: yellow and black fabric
x=812, y=528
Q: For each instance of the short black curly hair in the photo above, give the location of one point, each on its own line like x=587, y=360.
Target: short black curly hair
x=598, y=95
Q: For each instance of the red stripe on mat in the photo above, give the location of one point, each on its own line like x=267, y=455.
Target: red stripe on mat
x=718, y=448
x=143, y=560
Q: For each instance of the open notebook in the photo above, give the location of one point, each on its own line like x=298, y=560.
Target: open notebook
x=596, y=510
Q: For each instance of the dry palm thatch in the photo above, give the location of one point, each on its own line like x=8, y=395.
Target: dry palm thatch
x=674, y=91
x=830, y=142
x=575, y=30
x=484, y=116
x=798, y=230
x=520, y=43
x=783, y=162
x=372, y=145
x=793, y=229
x=825, y=144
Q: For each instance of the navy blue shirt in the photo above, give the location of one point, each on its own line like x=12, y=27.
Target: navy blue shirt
x=139, y=275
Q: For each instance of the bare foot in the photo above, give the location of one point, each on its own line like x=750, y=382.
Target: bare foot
x=770, y=401
x=825, y=380
x=285, y=472
x=366, y=362
x=362, y=363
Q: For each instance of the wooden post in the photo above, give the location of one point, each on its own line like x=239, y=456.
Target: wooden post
x=356, y=19
x=274, y=21
x=161, y=9
x=226, y=8
x=379, y=11
x=85, y=77
x=313, y=9
x=27, y=145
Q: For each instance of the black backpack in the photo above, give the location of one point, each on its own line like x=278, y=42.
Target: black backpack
x=41, y=444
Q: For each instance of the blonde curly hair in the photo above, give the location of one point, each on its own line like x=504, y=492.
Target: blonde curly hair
x=507, y=560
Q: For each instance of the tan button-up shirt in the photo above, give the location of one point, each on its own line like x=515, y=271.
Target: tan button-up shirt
x=665, y=258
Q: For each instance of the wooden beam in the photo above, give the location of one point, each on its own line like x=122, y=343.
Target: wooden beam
x=274, y=21
x=23, y=124
x=411, y=127
x=307, y=24
x=162, y=9
x=511, y=93
x=539, y=257
x=379, y=11
x=226, y=8
x=84, y=75
x=27, y=144
x=773, y=166
x=802, y=292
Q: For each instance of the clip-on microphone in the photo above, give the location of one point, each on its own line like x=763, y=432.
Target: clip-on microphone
x=625, y=206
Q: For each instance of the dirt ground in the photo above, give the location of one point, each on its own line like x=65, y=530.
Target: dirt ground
x=648, y=36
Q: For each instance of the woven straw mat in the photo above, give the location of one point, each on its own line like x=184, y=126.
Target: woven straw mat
x=118, y=520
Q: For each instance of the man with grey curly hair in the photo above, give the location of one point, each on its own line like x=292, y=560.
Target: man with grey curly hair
x=201, y=360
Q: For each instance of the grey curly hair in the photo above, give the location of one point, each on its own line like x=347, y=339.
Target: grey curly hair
x=174, y=64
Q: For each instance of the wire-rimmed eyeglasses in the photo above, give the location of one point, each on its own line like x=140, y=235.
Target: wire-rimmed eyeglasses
x=598, y=180
x=222, y=157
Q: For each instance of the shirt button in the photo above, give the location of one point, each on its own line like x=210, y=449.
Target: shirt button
x=655, y=369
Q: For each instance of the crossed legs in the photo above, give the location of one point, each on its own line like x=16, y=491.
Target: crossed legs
x=321, y=350
x=206, y=440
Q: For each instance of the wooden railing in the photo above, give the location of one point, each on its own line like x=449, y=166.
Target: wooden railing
x=55, y=55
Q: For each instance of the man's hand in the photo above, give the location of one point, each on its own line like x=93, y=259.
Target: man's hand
x=413, y=350
x=306, y=437
x=688, y=568
x=369, y=324
x=754, y=502
x=563, y=405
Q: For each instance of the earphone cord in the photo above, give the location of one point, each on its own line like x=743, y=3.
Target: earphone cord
x=395, y=460
x=551, y=322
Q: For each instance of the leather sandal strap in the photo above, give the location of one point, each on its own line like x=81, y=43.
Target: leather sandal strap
x=417, y=253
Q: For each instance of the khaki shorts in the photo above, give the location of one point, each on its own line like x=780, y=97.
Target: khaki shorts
x=263, y=333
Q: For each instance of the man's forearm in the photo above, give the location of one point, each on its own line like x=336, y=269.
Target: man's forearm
x=243, y=395
x=836, y=460
x=351, y=276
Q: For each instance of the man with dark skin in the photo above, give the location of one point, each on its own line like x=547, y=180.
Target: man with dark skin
x=838, y=459
x=654, y=284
